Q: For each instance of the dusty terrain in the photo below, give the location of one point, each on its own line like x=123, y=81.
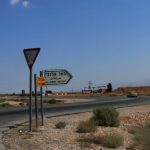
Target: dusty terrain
x=18, y=103
x=18, y=137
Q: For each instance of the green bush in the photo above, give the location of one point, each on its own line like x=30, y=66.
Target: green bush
x=22, y=104
x=142, y=137
x=6, y=105
x=106, y=116
x=2, y=100
x=113, y=140
x=86, y=126
x=53, y=101
x=60, y=125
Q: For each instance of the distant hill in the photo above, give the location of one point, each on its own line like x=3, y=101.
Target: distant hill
x=141, y=90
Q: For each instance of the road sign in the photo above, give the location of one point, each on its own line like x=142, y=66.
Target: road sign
x=31, y=55
x=56, y=77
x=41, y=81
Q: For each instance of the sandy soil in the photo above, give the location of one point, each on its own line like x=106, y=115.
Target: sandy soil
x=65, y=100
x=18, y=137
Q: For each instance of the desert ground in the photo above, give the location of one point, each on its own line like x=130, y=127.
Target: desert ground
x=50, y=138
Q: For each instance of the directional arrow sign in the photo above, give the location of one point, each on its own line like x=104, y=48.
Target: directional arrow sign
x=31, y=55
x=56, y=77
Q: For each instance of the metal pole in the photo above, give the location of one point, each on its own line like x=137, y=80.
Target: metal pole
x=36, y=106
x=30, y=102
x=46, y=90
x=41, y=97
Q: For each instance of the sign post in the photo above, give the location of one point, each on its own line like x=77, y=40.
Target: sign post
x=41, y=98
x=36, y=105
x=30, y=55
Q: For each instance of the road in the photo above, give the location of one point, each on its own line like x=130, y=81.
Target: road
x=12, y=116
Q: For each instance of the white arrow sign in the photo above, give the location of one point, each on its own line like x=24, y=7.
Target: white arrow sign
x=56, y=77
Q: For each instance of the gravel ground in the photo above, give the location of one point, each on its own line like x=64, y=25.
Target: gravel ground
x=51, y=138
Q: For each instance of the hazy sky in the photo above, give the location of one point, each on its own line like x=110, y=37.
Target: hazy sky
x=95, y=40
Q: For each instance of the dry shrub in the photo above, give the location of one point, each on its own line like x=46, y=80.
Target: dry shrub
x=86, y=126
x=142, y=137
x=61, y=125
x=106, y=116
x=113, y=140
x=86, y=140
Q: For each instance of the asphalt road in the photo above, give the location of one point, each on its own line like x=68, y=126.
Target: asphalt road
x=13, y=116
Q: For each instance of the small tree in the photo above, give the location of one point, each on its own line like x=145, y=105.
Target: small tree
x=109, y=87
